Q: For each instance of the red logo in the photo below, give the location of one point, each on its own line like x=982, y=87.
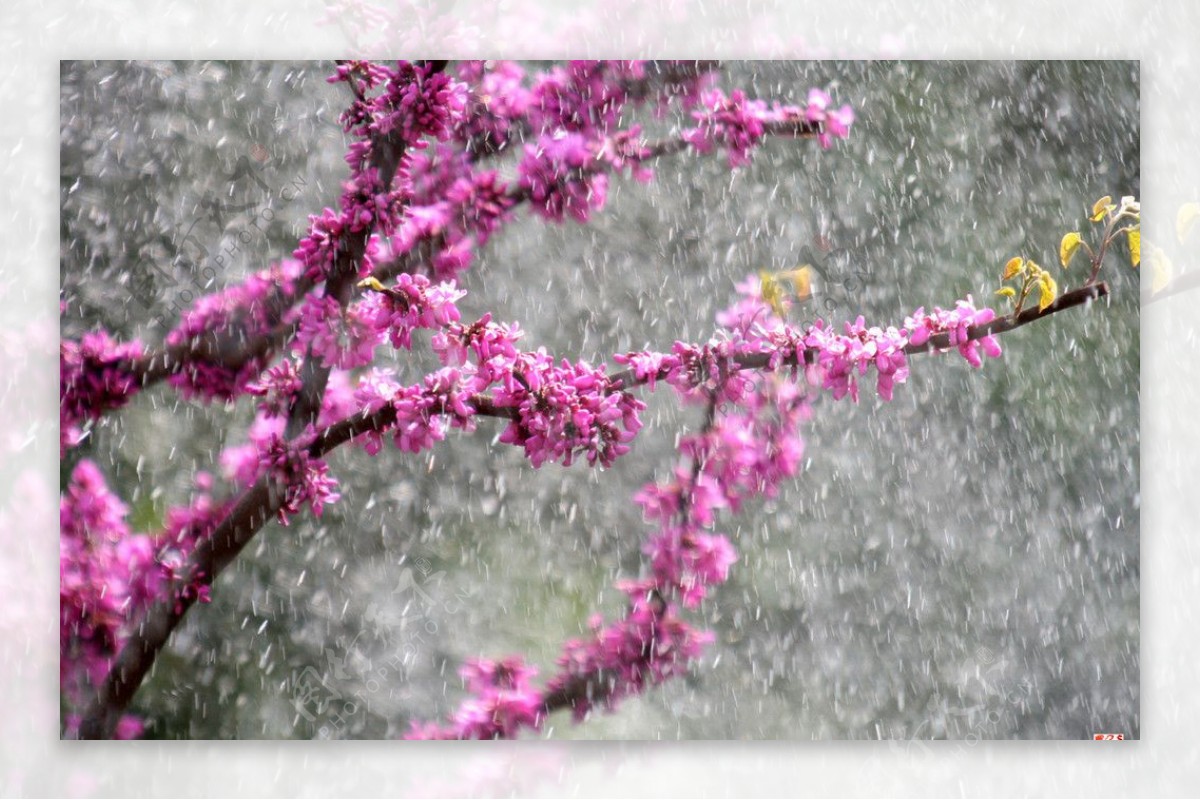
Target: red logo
x=1108, y=737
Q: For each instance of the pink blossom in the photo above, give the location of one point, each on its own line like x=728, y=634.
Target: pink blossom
x=508, y=673
x=107, y=577
x=649, y=367
x=686, y=563
x=418, y=102
x=241, y=464
x=956, y=324
x=559, y=174
x=412, y=303
x=277, y=386
x=305, y=479
x=566, y=410
x=493, y=346
x=370, y=73
x=423, y=413
x=497, y=106
x=834, y=123
x=95, y=376
x=732, y=122
x=244, y=307
x=318, y=250
x=583, y=97
x=340, y=338
x=375, y=390
x=483, y=203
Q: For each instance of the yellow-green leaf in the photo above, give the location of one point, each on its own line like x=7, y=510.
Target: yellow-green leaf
x=801, y=279
x=772, y=292
x=1160, y=270
x=1013, y=267
x=1067, y=247
x=1102, y=207
x=1188, y=214
x=1135, y=246
x=1006, y=291
x=1048, y=291
x=371, y=283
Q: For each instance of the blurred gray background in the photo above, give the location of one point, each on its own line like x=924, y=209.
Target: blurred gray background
x=960, y=562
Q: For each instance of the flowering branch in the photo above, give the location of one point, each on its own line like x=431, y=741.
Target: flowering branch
x=418, y=101
x=230, y=350
x=227, y=339
x=384, y=265
x=411, y=413
x=735, y=456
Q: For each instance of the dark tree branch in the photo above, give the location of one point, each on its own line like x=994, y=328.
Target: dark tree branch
x=209, y=559
x=1186, y=282
x=590, y=689
x=386, y=154
x=1076, y=297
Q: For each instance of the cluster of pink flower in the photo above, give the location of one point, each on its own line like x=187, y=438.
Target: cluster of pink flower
x=418, y=101
x=561, y=177
x=840, y=357
x=277, y=386
x=454, y=205
x=565, y=410
x=105, y=570
x=832, y=360
x=423, y=413
x=414, y=101
x=648, y=645
x=347, y=338
x=956, y=323
x=108, y=575
x=334, y=335
x=566, y=173
x=503, y=702
x=560, y=410
x=412, y=303
x=834, y=123
x=586, y=97
x=496, y=107
x=185, y=527
x=571, y=115
x=244, y=305
x=739, y=124
x=306, y=479
x=492, y=344
x=243, y=464
x=94, y=377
